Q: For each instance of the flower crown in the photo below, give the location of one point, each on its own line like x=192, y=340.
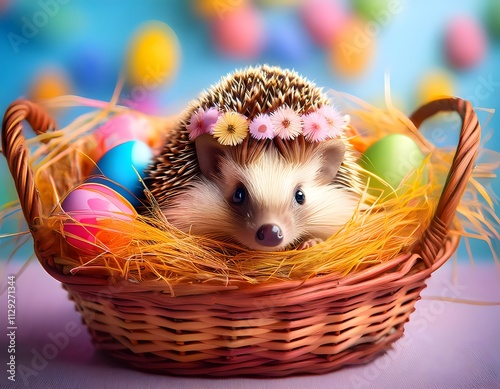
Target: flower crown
x=231, y=128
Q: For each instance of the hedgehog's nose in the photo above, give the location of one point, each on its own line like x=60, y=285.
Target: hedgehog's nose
x=269, y=235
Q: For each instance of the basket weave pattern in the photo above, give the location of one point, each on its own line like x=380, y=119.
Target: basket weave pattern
x=277, y=329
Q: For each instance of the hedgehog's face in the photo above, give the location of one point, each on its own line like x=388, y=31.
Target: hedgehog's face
x=270, y=204
x=267, y=200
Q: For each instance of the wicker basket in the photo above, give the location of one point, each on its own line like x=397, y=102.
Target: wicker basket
x=270, y=329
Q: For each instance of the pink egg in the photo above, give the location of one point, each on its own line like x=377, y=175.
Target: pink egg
x=93, y=210
x=324, y=19
x=239, y=33
x=122, y=128
x=465, y=42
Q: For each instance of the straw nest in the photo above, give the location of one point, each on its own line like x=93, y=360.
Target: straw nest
x=152, y=249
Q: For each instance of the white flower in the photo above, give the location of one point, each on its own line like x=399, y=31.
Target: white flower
x=286, y=122
x=337, y=123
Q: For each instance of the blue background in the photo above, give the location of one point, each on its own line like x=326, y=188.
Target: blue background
x=407, y=47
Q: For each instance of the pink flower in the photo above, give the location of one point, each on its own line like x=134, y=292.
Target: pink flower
x=315, y=127
x=261, y=127
x=337, y=123
x=286, y=122
x=210, y=118
x=202, y=122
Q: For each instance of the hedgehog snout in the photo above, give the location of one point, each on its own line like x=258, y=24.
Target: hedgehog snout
x=269, y=235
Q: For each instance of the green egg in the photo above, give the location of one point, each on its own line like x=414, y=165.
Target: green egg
x=392, y=158
x=379, y=12
x=492, y=17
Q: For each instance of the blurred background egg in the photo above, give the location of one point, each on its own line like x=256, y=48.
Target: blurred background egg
x=465, y=42
x=492, y=19
x=286, y=41
x=153, y=55
x=352, y=52
x=48, y=83
x=375, y=10
x=435, y=84
x=239, y=33
x=121, y=167
x=324, y=19
x=93, y=209
x=91, y=69
x=392, y=158
x=210, y=9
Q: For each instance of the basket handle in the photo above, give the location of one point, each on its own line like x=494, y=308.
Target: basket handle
x=15, y=151
x=458, y=176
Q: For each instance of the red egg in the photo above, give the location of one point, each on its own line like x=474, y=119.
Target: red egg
x=94, y=211
x=465, y=42
x=324, y=19
x=239, y=33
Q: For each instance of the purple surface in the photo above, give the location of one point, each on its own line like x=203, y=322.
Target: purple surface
x=446, y=345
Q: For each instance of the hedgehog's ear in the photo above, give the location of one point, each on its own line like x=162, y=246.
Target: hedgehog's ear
x=333, y=155
x=208, y=151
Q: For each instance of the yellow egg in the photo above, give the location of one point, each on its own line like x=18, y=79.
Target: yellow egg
x=153, y=55
x=435, y=84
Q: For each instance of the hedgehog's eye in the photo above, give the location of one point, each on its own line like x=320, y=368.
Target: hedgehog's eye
x=239, y=195
x=300, y=197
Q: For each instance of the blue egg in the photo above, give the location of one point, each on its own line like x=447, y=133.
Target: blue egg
x=121, y=167
x=91, y=68
x=286, y=41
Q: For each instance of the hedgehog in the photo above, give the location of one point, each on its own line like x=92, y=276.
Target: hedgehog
x=255, y=161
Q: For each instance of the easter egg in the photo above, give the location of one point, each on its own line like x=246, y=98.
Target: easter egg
x=323, y=19
x=121, y=167
x=91, y=67
x=465, y=42
x=434, y=85
x=240, y=33
x=392, y=158
x=493, y=19
x=123, y=128
x=380, y=11
x=93, y=211
x=153, y=56
x=353, y=49
x=216, y=8
x=50, y=82
x=286, y=41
